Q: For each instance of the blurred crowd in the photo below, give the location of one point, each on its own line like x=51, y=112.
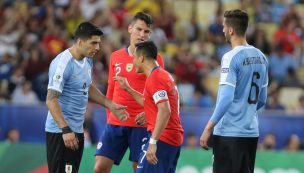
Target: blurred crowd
x=33, y=32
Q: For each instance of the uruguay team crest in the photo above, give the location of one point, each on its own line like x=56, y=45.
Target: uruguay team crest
x=129, y=67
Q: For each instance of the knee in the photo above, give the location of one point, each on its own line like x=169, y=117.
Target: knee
x=101, y=168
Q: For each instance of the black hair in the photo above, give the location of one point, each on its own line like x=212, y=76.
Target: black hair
x=237, y=19
x=147, y=49
x=144, y=17
x=86, y=30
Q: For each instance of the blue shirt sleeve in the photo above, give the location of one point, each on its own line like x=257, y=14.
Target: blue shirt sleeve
x=58, y=73
x=224, y=100
x=228, y=71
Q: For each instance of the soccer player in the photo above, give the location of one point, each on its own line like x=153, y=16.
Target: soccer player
x=70, y=86
x=242, y=92
x=161, y=104
x=118, y=136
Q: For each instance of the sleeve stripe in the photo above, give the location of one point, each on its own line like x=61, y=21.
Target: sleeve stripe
x=227, y=83
x=53, y=88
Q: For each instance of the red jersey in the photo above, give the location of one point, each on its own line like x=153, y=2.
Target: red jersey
x=121, y=64
x=160, y=87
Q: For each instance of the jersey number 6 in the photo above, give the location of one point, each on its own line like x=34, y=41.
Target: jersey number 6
x=254, y=87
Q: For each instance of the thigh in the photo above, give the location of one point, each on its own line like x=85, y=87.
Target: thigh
x=136, y=140
x=55, y=149
x=167, y=156
x=234, y=154
x=223, y=148
x=61, y=159
x=248, y=147
x=113, y=143
x=72, y=158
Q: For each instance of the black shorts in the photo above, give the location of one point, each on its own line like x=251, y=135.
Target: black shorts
x=234, y=154
x=59, y=157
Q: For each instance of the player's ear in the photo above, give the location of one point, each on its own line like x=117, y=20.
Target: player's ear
x=141, y=58
x=130, y=28
x=79, y=42
x=231, y=30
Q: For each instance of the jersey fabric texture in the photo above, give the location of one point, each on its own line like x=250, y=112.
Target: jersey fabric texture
x=246, y=69
x=160, y=87
x=121, y=64
x=72, y=78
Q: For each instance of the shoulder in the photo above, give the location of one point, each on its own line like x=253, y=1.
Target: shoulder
x=160, y=77
x=62, y=59
x=119, y=53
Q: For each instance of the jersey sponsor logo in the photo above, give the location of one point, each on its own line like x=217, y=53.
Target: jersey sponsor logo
x=68, y=168
x=225, y=70
x=129, y=67
x=117, y=64
x=99, y=145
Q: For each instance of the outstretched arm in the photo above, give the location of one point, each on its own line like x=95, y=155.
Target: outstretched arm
x=125, y=85
x=96, y=96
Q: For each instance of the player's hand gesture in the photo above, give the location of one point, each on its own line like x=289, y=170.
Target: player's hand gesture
x=119, y=111
x=70, y=140
x=124, y=84
x=151, y=154
x=140, y=119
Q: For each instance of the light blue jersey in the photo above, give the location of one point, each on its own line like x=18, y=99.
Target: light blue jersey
x=245, y=69
x=72, y=78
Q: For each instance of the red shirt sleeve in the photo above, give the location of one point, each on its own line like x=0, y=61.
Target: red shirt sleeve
x=110, y=89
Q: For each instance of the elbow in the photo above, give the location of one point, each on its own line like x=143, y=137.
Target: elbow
x=48, y=103
x=167, y=114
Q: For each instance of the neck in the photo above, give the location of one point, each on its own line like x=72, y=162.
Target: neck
x=131, y=50
x=149, y=67
x=238, y=41
x=75, y=53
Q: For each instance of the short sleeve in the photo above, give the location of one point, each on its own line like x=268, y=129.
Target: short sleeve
x=58, y=73
x=159, y=91
x=228, y=71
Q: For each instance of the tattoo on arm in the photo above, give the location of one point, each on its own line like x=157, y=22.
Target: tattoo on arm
x=51, y=94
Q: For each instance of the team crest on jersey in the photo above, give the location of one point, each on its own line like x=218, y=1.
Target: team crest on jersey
x=129, y=67
x=68, y=168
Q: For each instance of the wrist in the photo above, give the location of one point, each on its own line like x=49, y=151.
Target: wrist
x=152, y=141
x=66, y=130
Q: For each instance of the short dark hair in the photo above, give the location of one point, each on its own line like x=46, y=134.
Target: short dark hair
x=238, y=19
x=86, y=30
x=147, y=49
x=144, y=17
